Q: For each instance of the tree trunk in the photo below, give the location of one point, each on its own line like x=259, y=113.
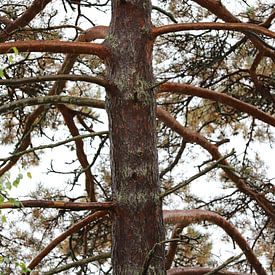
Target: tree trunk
x=137, y=223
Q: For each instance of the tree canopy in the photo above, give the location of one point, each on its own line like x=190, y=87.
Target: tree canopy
x=183, y=160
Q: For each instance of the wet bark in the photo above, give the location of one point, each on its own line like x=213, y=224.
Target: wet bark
x=131, y=107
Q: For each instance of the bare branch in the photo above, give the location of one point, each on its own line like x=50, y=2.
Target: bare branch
x=75, y=206
x=44, y=78
x=217, y=8
x=89, y=35
x=194, y=216
x=195, y=137
x=53, y=145
x=78, y=263
x=241, y=27
x=219, y=97
x=198, y=271
x=55, y=46
x=52, y=99
x=201, y=173
x=224, y=264
x=74, y=228
x=36, y=7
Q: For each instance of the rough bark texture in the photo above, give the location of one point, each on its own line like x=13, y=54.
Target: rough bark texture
x=137, y=224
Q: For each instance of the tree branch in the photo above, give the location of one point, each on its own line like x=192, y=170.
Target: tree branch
x=52, y=145
x=199, y=271
x=89, y=179
x=74, y=228
x=53, y=99
x=195, y=137
x=201, y=173
x=75, y=206
x=194, y=216
x=36, y=7
x=217, y=8
x=55, y=46
x=44, y=78
x=89, y=35
x=241, y=27
x=219, y=97
x=224, y=264
x=78, y=263
x=172, y=248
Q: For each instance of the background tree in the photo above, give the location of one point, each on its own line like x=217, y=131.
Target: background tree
x=185, y=80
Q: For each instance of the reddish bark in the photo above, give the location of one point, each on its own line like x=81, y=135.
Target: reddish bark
x=242, y=27
x=68, y=116
x=172, y=248
x=137, y=221
x=55, y=46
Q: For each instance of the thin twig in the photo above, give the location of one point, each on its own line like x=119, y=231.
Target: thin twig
x=48, y=146
x=203, y=172
x=223, y=265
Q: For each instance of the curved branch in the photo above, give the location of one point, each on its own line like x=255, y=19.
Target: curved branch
x=198, y=271
x=219, y=97
x=75, y=206
x=55, y=46
x=74, y=228
x=241, y=27
x=168, y=14
x=195, y=137
x=44, y=78
x=217, y=8
x=68, y=116
x=52, y=99
x=187, y=217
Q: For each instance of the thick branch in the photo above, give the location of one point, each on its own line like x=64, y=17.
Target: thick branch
x=74, y=228
x=53, y=99
x=219, y=97
x=217, y=8
x=195, y=137
x=89, y=179
x=44, y=78
x=36, y=7
x=172, y=248
x=241, y=27
x=198, y=271
x=55, y=46
x=194, y=216
x=75, y=206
